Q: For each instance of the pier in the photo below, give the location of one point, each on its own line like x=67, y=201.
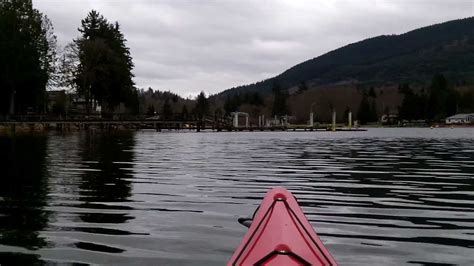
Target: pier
x=47, y=123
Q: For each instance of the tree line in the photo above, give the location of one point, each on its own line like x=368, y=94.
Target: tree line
x=233, y=103
x=367, y=112
x=27, y=57
x=97, y=65
x=435, y=103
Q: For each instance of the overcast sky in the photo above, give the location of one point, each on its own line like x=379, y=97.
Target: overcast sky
x=188, y=46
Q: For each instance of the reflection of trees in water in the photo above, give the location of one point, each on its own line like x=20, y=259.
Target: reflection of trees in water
x=11, y=258
x=109, y=184
x=24, y=190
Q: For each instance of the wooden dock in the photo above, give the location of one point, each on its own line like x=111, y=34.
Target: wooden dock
x=207, y=124
x=76, y=125
x=149, y=124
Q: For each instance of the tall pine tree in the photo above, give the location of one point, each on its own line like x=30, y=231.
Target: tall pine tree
x=202, y=106
x=27, y=57
x=442, y=100
x=104, y=73
x=364, y=112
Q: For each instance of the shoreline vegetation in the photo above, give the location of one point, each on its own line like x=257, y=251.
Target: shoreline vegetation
x=92, y=76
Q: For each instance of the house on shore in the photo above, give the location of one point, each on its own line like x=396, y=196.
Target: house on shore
x=460, y=119
x=62, y=102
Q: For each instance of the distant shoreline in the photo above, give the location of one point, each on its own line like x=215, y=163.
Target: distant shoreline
x=38, y=127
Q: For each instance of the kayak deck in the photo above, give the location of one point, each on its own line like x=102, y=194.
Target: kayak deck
x=280, y=234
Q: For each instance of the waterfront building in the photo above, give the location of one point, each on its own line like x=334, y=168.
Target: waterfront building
x=461, y=119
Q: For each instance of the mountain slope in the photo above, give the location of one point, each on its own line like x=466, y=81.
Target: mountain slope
x=413, y=57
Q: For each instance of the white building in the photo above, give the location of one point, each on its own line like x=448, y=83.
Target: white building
x=460, y=119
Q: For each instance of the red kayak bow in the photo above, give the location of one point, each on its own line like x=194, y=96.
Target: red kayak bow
x=280, y=234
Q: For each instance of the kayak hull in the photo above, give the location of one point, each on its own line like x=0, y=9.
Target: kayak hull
x=280, y=234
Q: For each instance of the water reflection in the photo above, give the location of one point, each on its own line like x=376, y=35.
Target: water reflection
x=89, y=194
x=106, y=181
x=24, y=190
x=23, y=194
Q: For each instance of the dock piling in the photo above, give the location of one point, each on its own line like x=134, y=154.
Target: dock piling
x=334, y=121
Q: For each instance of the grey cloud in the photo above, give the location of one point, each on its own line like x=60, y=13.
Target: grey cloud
x=187, y=46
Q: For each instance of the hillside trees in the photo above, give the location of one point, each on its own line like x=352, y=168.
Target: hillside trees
x=439, y=102
x=233, y=103
x=167, y=111
x=280, y=106
x=363, y=114
x=152, y=102
x=202, y=106
x=367, y=108
x=302, y=87
x=184, y=112
x=150, y=111
x=441, y=99
x=466, y=102
x=27, y=57
x=413, y=105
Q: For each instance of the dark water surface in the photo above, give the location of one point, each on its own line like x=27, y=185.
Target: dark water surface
x=381, y=197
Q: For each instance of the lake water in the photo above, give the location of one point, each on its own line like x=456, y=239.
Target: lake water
x=381, y=197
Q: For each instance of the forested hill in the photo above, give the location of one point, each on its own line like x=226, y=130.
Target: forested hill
x=410, y=57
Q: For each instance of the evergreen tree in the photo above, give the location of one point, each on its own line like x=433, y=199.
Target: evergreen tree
x=280, y=106
x=104, y=73
x=364, y=112
x=466, y=102
x=451, y=102
x=368, y=106
x=373, y=112
x=131, y=100
x=412, y=107
x=372, y=98
x=167, y=111
x=202, y=106
x=27, y=56
x=302, y=87
x=227, y=105
x=174, y=98
x=231, y=104
x=435, y=100
x=151, y=110
x=246, y=97
x=442, y=100
x=372, y=93
x=256, y=99
x=217, y=114
x=184, y=112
